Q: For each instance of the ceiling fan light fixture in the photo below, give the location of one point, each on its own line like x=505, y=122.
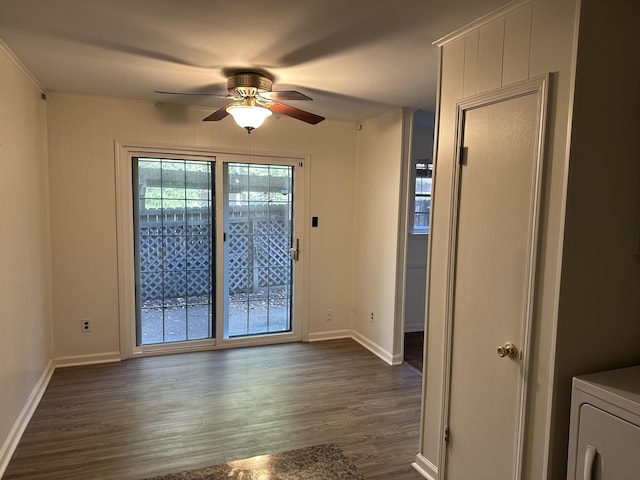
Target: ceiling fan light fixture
x=249, y=116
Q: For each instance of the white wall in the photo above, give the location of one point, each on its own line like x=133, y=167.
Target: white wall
x=525, y=41
x=375, y=245
x=25, y=286
x=82, y=131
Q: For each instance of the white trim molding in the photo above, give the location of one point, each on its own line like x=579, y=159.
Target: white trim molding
x=94, y=358
x=425, y=468
x=11, y=443
x=480, y=22
x=415, y=326
x=376, y=349
x=331, y=335
x=4, y=48
x=125, y=151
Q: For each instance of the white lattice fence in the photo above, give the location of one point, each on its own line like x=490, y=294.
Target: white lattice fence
x=176, y=256
x=260, y=254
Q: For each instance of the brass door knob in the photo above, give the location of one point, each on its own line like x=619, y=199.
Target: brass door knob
x=507, y=350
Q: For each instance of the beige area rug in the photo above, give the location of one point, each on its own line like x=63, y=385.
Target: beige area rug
x=320, y=462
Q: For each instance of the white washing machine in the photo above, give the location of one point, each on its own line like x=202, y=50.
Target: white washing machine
x=604, y=441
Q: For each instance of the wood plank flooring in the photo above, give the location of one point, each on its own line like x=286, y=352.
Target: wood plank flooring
x=158, y=415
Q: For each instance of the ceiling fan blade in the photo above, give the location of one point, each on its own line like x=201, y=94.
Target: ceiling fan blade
x=206, y=94
x=218, y=114
x=285, y=95
x=296, y=113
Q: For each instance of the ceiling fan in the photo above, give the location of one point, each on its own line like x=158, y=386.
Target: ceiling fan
x=253, y=100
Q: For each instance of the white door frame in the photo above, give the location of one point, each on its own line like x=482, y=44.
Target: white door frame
x=536, y=86
x=124, y=152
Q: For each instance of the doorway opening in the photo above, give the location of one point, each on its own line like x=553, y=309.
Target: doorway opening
x=420, y=173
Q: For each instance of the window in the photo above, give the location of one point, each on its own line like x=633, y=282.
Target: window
x=423, y=173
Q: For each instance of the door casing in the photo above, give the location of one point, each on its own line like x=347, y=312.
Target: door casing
x=124, y=152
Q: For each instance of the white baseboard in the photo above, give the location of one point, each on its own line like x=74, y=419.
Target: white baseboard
x=11, y=443
x=397, y=359
x=376, y=349
x=373, y=347
x=425, y=468
x=414, y=327
x=75, y=360
x=332, y=335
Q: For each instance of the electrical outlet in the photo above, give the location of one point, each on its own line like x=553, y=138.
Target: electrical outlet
x=85, y=325
x=372, y=316
x=328, y=316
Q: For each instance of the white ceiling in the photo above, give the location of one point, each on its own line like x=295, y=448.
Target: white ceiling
x=355, y=58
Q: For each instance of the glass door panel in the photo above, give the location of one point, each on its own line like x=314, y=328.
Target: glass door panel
x=259, y=235
x=174, y=250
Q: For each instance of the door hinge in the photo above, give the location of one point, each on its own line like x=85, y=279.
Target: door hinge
x=224, y=236
x=301, y=164
x=446, y=434
x=462, y=155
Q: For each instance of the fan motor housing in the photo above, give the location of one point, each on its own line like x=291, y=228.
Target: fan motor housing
x=248, y=84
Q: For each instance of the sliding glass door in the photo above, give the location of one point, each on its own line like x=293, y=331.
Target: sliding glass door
x=213, y=278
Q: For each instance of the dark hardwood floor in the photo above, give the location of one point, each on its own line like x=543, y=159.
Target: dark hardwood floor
x=157, y=415
x=413, y=348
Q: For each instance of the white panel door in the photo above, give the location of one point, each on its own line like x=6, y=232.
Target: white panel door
x=492, y=284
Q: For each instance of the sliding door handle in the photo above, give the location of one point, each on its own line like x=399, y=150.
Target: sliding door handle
x=295, y=251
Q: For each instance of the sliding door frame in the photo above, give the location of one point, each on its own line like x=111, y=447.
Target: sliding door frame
x=124, y=154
